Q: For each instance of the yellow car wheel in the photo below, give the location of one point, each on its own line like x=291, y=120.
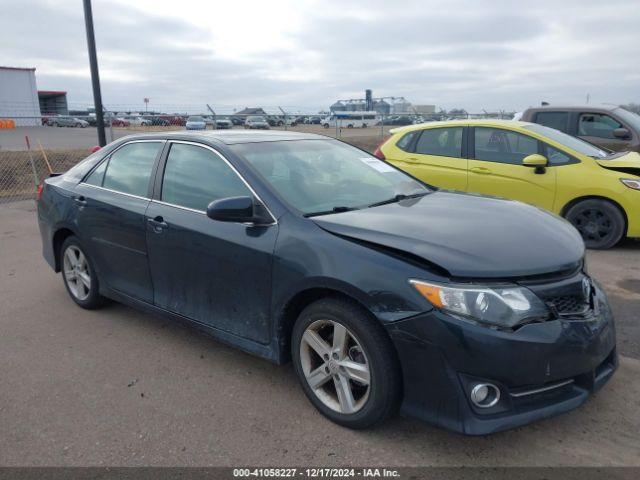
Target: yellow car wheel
x=600, y=223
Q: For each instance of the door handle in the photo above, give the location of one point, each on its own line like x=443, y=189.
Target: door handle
x=412, y=160
x=157, y=224
x=80, y=200
x=480, y=170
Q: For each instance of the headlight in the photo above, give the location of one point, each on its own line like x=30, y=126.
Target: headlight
x=503, y=306
x=631, y=183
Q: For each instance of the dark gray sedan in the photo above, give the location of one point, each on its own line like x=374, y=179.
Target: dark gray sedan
x=473, y=313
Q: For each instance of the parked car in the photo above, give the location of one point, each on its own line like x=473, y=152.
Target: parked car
x=175, y=120
x=272, y=120
x=157, y=121
x=256, y=122
x=196, y=123
x=237, y=121
x=209, y=121
x=597, y=191
x=66, y=121
x=398, y=120
x=106, y=118
x=137, y=121
x=315, y=120
x=120, y=122
x=610, y=127
x=474, y=313
x=223, y=123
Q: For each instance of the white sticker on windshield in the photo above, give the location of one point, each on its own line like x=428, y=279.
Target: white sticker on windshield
x=377, y=164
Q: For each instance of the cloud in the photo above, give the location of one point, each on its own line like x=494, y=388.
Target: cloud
x=306, y=54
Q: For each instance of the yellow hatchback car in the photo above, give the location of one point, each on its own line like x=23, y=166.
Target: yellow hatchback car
x=596, y=190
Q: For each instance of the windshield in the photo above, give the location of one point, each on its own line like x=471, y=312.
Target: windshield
x=568, y=141
x=195, y=119
x=326, y=176
x=633, y=119
x=256, y=119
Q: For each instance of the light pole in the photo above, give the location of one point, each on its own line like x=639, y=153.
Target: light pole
x=95, y=78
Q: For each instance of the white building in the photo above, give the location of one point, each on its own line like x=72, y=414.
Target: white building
x=424, y=109
x=19, y=95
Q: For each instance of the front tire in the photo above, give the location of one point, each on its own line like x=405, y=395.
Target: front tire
x=79, y=275
x=600, y=223
x=346, y=363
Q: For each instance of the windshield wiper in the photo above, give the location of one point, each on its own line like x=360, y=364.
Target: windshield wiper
x=397, y=198
x=338, y=209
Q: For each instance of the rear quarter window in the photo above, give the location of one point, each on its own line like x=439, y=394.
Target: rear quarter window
x=406, y=141
x=80, y=169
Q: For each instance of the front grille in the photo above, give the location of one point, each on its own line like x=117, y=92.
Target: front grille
x=568, y=304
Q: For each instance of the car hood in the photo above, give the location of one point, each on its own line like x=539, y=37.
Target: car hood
x=628, y=162
x=469, y=236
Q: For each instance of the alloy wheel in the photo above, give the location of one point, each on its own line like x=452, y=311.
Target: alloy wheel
x=335, y=366
x=76, y=272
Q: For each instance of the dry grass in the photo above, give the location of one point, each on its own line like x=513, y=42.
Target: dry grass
x=17, y=171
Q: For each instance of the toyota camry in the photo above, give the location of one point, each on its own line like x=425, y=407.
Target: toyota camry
x=473, y=313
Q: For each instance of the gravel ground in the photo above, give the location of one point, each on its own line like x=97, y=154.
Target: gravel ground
x=119, y=387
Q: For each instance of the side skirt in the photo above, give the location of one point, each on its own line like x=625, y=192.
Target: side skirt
x=268, y=352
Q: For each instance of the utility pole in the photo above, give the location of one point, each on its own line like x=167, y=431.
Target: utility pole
x=215, y=118
x=95, y=78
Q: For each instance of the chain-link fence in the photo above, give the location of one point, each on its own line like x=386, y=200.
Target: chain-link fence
x=22, y=171
x=32, y=147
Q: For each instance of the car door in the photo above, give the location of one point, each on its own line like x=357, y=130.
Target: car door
x=597, y=128
x=215, y=273
x=437, y=158
x=112, y=202
x=495, y=167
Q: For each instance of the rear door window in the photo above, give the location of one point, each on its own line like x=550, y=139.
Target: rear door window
x=503, y=146
x=557, y=120
x=129, y=168
x=443, y=142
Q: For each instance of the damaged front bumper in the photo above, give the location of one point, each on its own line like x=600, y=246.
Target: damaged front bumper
x=541, y=369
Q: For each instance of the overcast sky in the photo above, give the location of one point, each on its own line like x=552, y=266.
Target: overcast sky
x=306, y=54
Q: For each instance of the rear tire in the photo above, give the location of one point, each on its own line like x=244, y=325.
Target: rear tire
x=79, y=275
x=357, y=382
x=600, y=223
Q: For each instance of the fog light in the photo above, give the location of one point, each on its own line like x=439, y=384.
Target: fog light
x=485, y=395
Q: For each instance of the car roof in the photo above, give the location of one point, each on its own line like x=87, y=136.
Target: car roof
x=486, y=122
x=573, y=108
x=230, y=137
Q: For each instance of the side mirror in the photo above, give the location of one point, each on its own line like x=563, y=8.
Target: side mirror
x=622, y=133
x=235, y=209
x=536, y=160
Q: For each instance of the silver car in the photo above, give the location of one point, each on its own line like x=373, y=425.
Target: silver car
x=66, y=121
x=256, y=122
